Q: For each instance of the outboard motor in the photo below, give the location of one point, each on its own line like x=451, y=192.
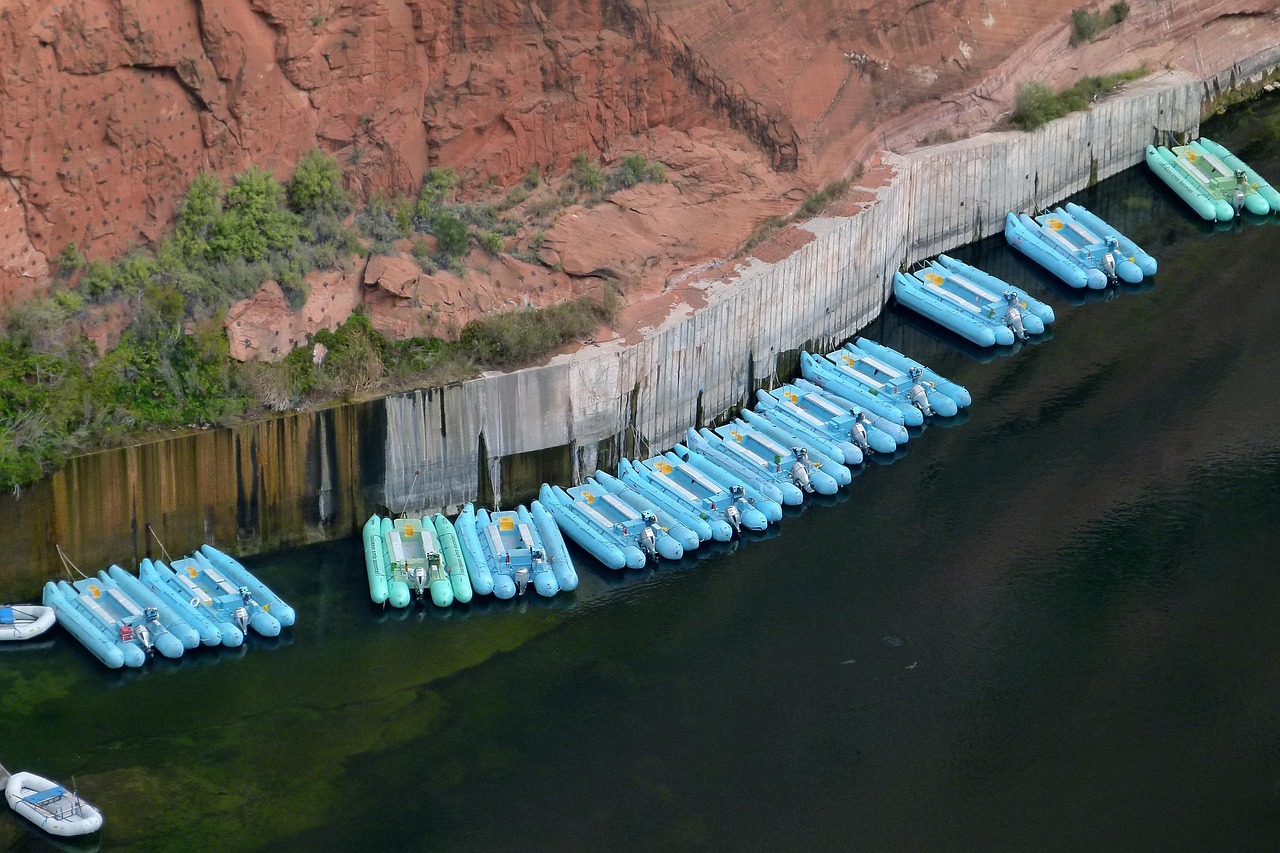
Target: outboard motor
x=241, y=617
x=143, y=636
x=648, y=539
x=917, y=394
x=858, y=432
x=1109, y=259
x=1237, y=200
x=1013, y=317
x=800, y=470
x=418, y=577
x=732, y=514
x=734, y=517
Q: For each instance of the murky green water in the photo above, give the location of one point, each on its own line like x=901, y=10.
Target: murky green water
x=1050, y=626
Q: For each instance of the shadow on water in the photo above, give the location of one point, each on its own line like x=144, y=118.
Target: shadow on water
x=35, y=839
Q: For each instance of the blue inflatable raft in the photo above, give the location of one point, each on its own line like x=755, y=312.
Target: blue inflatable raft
x=687, y=538
x=607, y=527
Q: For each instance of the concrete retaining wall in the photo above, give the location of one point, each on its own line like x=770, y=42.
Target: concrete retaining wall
x=699, y=367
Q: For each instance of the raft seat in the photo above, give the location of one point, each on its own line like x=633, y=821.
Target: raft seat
x=1216, y=163
x=700, y=478
x=888, y=369
x=1195, y=172
x=594, y=513
x=40, y=797
x=6, y=616
x=677, y=488
x=395, y=546
x=848, y=366
x=218, y=578
x=805, y=416
x=966, y=305
x=825, y=405
x=769, y=444
x=1085, y=234
x=1059, y=239
x=752, y=457
x=96, y=609
x=980, y=292
x=526, y=535
x=125, y=602
x=194, y=588
x=495, y=542
x=619, y=505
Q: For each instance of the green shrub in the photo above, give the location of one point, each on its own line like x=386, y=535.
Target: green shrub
x=1035, y=105
x=69, y=260
x=516, y=337
x=437, y=186
x=492, y=243
x=316, y=186
x=533, y=177
x=254, y=220
x=451, y=234
x=1086, y=24
x=816, y=203
x=586, y=175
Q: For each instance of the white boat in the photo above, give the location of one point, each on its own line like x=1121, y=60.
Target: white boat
x=50, y=806
x=24, y=621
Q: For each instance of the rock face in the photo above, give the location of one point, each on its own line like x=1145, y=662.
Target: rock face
x=108, y=108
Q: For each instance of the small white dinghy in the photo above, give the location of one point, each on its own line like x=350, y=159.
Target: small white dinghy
x=50, y=806
x=24, y=621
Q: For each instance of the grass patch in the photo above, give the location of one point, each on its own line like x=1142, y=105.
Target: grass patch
x=517, y=337
x=1037, y=104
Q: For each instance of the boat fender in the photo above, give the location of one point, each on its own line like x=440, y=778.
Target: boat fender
x=1013, y=317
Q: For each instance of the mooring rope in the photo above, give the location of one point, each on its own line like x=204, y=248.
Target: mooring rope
x=405, y=506
x=67, y=564
x=163, y=549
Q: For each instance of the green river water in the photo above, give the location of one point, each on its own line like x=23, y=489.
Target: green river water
x=1052, y=624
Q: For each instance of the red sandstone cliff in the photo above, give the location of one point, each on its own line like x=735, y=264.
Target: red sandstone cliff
x=108, y=108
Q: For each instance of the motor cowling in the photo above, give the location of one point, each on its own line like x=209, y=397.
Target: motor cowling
x=649, y=542
x=858, y=435
x=734, y=517
x=800, y=476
